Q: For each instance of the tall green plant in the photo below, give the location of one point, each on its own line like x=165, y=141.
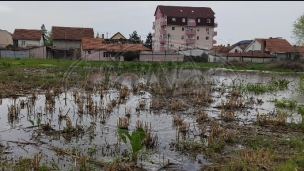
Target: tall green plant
x=135, y=139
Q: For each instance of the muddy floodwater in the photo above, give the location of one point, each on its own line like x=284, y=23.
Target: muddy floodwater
x=157, y=100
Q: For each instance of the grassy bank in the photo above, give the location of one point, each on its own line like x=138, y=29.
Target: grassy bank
x=128, y=65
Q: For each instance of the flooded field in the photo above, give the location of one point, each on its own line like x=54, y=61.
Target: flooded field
x=180, y=119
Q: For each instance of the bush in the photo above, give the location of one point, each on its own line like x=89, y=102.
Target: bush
x=131, y=56
x=202, y=58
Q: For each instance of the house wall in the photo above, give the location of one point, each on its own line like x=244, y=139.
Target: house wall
x=39, y=52
x=67, y=44
x=5, y=38
x=32, y=42
x=255, y=44
x=118, y=36
x=95, y=55
x=250, y=60
x=236, y=48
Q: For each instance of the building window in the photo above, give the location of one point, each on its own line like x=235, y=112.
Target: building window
x=89, y=52
x=182, y=37
x=182, y=28
x=198, y=29
x=173, y=28
x=198, y=20
x=208, y=20
x=207, y=37
x=22, y=43
x=207, y=30
x=105, y=54
x=184, y=20
x=235, y=51
x=174, y=19
x=172, y=45
x=197, y=38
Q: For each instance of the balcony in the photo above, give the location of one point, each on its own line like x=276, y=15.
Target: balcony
x=162, y=40
x=162, y=49
x=191, y=23
x=163, y=31
x=214, y=33
x=190, y=32
x=190, y=41
x=153, y=34
x=153, y=27
x=163, y=23
x=215, y=24
x=214, y=42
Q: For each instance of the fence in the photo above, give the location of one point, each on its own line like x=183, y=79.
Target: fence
x=39, y=52
x=161, y=57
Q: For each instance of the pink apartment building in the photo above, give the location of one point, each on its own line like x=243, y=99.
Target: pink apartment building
x=177, y=27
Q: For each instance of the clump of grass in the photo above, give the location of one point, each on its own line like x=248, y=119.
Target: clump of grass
x=280, y=118
x=202, y=116
x=177, y=105
x=290, y=103
x=177, y=119
x=123, y=123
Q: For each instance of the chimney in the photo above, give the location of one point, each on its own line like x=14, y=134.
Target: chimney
x=263, y=46
x=228, y=45
x=270, y=37
x=102, y=36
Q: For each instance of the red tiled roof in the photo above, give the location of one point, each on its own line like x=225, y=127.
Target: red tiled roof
x=97, y=44
x=27, y=34
x=71, y=33
x=300, y=49
x=276, y=45
x=92, y=43
x=247, y=54
x=185, y=11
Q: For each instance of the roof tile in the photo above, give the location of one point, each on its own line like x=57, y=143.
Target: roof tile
x=27, y=34
x=185, y=11
x=71, y=33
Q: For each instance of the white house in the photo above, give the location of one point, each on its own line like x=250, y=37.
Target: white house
x=27, y=38
x=273, y=46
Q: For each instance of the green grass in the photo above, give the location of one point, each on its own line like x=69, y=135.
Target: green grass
x=284, y=103
x=132, y=65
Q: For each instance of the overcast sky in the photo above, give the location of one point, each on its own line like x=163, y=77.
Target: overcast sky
x=236, y=20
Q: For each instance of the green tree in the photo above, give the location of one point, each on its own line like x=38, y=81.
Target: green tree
x=134, y=36
x=298, y=30
x=148, y=42
x=48, y=40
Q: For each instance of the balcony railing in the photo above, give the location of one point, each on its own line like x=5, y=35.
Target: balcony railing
x=163, y=31
x=161, y=40
x=190, y=32
x=191, y=23
x=163, y=23
x=215, y=33
x=162, y=49
x=190, y=41
x=215, y=24
x=153, y=34
x=214, y=42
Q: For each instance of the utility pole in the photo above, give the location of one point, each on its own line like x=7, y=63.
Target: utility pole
x=168, y=36
x=107, y=35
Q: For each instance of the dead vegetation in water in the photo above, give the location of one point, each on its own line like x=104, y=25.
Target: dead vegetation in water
x=231, y=104
x=202, y=116
x=155, y=103
x=123, y=123
x=176, y=105
x=124, y=92
x=227, y=115
x=279, y=118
